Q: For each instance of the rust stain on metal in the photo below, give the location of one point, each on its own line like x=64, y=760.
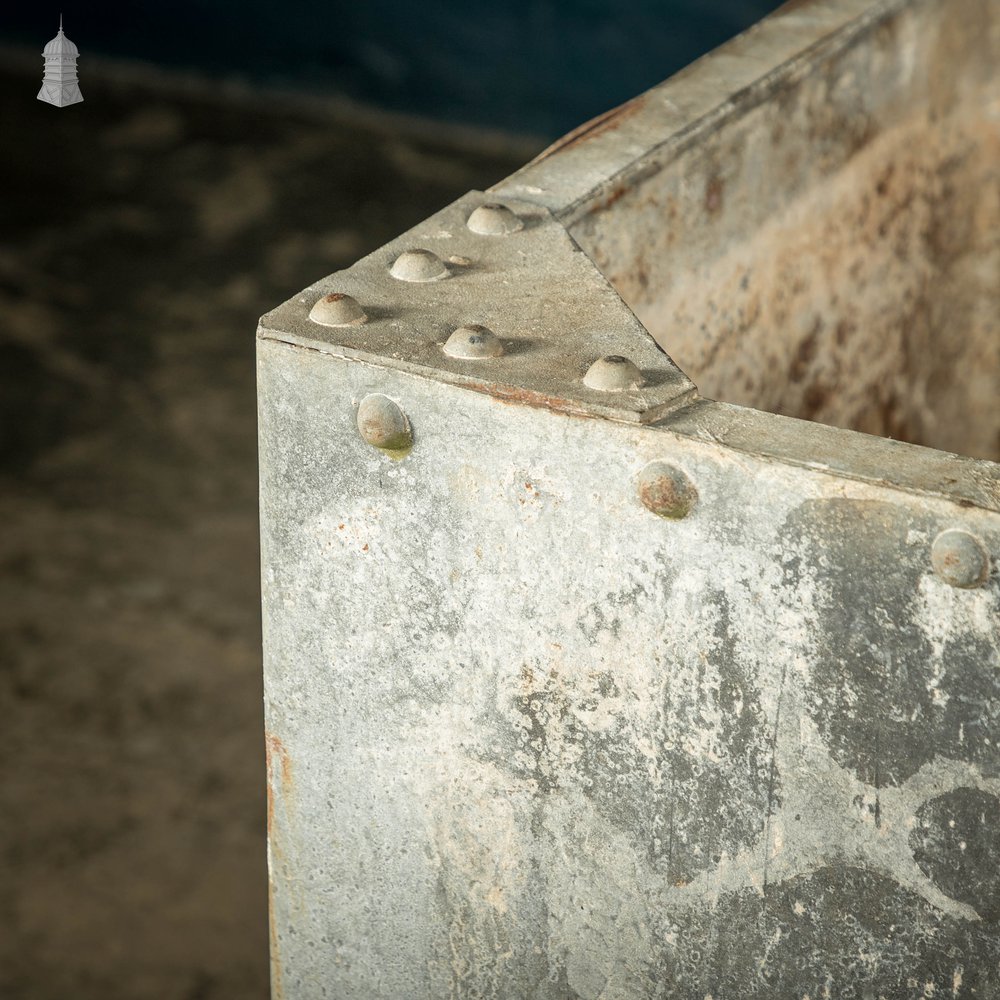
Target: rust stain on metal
x=617, y=193
x=606, y=122
x=666, y=491
x=277, y=761
x=279, y=768
x=527, y=397
x=713, y=195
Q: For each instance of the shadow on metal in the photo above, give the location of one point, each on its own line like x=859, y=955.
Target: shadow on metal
x=599, y=688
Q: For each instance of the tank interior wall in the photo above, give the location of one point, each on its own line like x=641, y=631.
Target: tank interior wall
x=832, y=250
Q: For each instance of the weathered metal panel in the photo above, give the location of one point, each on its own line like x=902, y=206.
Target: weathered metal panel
x=536, y=741
x=580, y=686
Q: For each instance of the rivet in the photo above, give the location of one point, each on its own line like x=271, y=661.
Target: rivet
x=960, y=559
x=494, y=220
x=384, y=425
x=418, y=265
x=612, y=374
x=667, y=491
x=473, y=341
x=337, y=309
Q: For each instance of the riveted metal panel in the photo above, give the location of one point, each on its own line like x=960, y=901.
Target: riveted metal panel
x=595, y=692
x=530, y=739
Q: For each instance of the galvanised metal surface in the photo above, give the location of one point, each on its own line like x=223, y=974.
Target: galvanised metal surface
x=578, y=685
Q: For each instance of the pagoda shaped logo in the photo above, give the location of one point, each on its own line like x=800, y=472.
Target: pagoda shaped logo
x=59, y=85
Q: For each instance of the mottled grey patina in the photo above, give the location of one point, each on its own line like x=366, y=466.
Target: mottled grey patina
x=528, y=739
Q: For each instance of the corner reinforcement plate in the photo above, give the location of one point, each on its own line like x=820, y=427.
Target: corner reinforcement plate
x=535, y=289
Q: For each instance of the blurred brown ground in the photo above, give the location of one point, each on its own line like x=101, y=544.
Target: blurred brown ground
x=142, y=235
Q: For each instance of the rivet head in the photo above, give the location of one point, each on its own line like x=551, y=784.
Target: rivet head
x=384, y=425
x=960, y=559
x=337, y=309
x=667, y=491
x=418, y=265
x=473, y=341
x=613, y=374
x=494, y=220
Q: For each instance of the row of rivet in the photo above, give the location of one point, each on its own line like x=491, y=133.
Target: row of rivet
x=957, y=557
x=474, y=341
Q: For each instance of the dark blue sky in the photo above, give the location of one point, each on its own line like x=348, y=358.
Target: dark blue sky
x=540, y=66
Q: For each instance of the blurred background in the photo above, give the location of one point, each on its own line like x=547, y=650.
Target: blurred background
x=224, y=157
x=531, y=67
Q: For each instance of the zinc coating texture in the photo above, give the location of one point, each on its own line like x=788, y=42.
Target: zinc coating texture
x=528, y=738
x=536, y=741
